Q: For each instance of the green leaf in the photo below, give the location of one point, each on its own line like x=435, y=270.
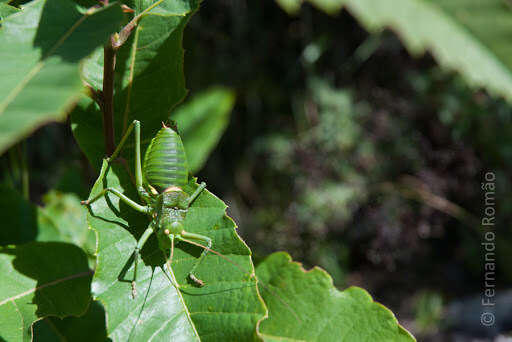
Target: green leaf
x=175, y=7
x=305, y=306
x=86, y=124
x=41, y=48
x=22, y=221
x=468, y=36
x=226, y=308
x=201, y=122
x=149, y=79
x=87, y=328
x=70, y=219
x=62, y=219
x=290, y=6
x=6, y=10
x=32, y=287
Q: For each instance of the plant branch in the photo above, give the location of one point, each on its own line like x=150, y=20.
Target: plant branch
x=25, y=184
x=109, y=65
x=125, y=33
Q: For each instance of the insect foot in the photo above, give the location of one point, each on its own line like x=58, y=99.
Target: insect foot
x=134, y=290
x=196, y=280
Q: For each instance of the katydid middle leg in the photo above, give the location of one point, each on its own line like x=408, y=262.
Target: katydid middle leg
x=139, y=246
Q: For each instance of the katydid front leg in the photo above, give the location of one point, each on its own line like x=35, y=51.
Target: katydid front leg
x=168, y=263
x=195, y=194
x=204, y=239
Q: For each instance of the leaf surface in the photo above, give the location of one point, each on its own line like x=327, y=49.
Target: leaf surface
x=305, y=306
x=68, y=216
x=62, y=219
x=226, y=308
x=6, y=10
x=41, y=48
x=468, y=36
x=201, y=122
x=23, y=221
x=32, y=287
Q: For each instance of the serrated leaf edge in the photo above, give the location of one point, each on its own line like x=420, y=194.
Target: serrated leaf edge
x=324, y=274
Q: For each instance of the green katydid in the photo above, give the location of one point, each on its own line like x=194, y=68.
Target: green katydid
x=159, y=182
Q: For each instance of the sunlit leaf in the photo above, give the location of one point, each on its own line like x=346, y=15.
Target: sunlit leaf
x=41, y=48
x=32, y=286
x=305, y=306
x=209, y=313
x=6, y=10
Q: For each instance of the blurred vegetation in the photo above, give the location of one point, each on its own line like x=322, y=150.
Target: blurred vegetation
x=349, y=153
x=343, y=150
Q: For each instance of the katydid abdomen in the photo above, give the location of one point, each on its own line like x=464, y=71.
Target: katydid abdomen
x=165, y=162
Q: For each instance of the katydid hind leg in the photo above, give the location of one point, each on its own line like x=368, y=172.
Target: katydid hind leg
x=135, y=126
x=119, y=147
x=122, y=197
x=139, y=181
x=138, y=171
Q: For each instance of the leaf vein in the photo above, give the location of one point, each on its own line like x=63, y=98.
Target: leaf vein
x=54, y=282
x=22, y=319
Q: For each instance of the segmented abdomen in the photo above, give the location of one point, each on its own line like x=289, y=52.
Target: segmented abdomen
x=165, y=162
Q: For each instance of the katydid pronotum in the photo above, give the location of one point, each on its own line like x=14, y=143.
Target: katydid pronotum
x=159, y=182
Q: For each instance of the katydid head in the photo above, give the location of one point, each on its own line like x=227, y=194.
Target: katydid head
x=167, y=231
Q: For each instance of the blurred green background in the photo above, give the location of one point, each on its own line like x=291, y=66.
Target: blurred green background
x=345, y=151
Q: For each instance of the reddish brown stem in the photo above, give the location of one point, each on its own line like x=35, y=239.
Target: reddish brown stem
x=109, y=65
